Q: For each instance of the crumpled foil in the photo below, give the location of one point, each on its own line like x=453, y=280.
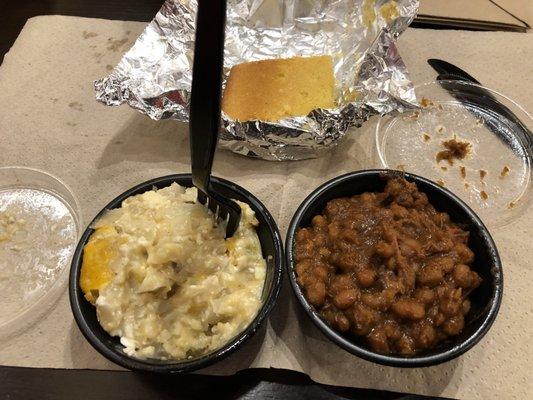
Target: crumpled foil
x=155, y=75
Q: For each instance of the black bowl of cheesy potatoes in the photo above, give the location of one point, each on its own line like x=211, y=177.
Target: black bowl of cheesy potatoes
x=155, y=293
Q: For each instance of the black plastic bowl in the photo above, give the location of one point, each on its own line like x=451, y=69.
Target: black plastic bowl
x=110, y=347
x=485, y=299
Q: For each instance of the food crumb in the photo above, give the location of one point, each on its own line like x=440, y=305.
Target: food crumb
x=467, y=185
x=483, y=195
x=444, y=168
x=116, y=44
x=479, y=121
x=440, y=129
x=440, y=182
x=482, y=174
x=440, y=107
x=426, y=137
x=425, y=102
x=511, y=204
x=76, y=105
x=87, y=35
x=505, y=171
x=412, y=117
x=401, y=167
x=455, y=149
x=463, y=171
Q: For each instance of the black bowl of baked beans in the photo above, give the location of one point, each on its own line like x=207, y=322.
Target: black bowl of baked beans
x=394, y=268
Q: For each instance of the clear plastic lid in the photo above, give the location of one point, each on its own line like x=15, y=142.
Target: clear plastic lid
x=465, y=138
x=39, y=227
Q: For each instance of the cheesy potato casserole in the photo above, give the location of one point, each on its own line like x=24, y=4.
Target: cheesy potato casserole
x=165, y=280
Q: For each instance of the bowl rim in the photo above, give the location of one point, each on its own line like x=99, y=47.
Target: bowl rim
x=360, y=351
x=132, y=363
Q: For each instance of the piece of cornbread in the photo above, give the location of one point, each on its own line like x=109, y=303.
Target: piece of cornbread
x=271, y=90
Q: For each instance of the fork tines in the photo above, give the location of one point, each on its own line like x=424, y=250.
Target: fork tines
x=226, y=211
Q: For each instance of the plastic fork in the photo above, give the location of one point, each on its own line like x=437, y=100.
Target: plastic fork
x=204, y=121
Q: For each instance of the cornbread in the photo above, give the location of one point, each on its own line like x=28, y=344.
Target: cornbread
x=165, y=280
x=271, y=90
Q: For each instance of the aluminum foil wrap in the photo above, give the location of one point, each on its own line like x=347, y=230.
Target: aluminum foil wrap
x=155, y=75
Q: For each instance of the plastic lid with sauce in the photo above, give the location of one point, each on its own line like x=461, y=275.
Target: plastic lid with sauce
x=462, y=138
x=39, y=228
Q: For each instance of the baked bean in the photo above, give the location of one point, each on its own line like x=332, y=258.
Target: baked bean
x=303, y=266
x=388, y=296
x=454, y=325
x=424, y=295
x=409, y=309
x=324, y=252
x=464, y=276
x=329, y=315
x=373, y=300
x=346, y=262
x=321, y=272
x=408, y=276
x=340, y=282
x=384, y=249
x=349, y=236
x=320, y=240
x=422, y=200
x=364, y=319
x=387, y=267
x=451, y=302
x=466, y=307
x=404, y=345
x=342, y=323
x=392, y=329
x=446, y=264
x=391, y=263
x=406, y=251
x=441, y=218
x=439, y=319
x=303, y=234
x=304, y=250
x=413, y=244
x=319, y=222
x=334, y=231
x=316, y=293
x=426, y=336
x=378, y=340
x=389, y=234
x=365, y=277
x=366, y=198
x=345, y=298
x=431, y=275
x=465, y=255
x=398, y=211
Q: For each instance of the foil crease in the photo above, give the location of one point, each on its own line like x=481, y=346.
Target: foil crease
x=155, y=75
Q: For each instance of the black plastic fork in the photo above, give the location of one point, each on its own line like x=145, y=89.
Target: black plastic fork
x=205, y=109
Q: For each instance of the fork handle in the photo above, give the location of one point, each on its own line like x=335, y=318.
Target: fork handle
x=204, y=120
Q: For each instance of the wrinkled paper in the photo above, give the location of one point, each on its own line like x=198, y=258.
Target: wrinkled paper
x=155, y=75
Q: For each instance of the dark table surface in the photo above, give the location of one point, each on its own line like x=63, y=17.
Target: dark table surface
x=14, y=13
